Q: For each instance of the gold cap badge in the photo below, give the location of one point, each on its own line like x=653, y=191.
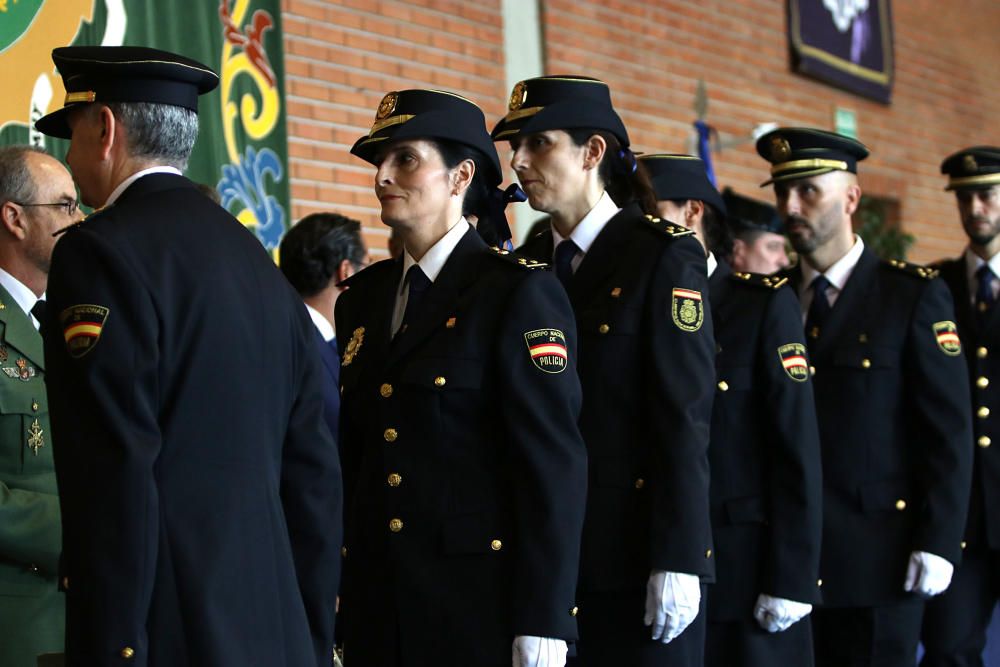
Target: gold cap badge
x=386, y=106
x=518, y=96
x=780, y=149
x=970, y=164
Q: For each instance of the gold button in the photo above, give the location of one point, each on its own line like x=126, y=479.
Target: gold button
x=963, y=545
x=343, y=552
x=616, y=292
x=866, y=363
x=65, y=583
x=723, y=385
x=708, y=553
x=983, y=412
x=395, y=479
x=639, y=483
x=127, y=652
x=390, y=435
x=863, y=338
x=812, y=370
x=819, y=583
x=982, y=352
x=574, y=611
x=496, y=545
x=33, y=568
x=450, y=324
x=984, y=441
x=901, y=504
x=983, y=382
x=439, y=381
x=385, y=390
x=396, y=525
x=604, y=328
x=34, y=406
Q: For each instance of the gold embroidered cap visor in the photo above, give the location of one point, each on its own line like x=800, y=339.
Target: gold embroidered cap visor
x=124, y=74
x=562, y=102
x=974, y=168
x=801, y=152
x=430, y=114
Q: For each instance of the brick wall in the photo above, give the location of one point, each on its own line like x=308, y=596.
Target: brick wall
x=342, y=55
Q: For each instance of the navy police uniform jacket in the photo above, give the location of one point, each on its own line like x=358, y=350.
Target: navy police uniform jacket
x=199, y=486
x=981, y=343
x=766, y=492
x=892, y=401
x=647, y=367
x=464, y=464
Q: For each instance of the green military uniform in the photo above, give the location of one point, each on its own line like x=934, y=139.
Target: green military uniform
x=31, y=607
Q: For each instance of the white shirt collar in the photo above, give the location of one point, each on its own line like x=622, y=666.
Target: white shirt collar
x=323, y=324
x=974, y=261
x=712, y=263
x=434, y=259
x=117, y=192
x=840, y=272
x=586, y=231
x=24, y=297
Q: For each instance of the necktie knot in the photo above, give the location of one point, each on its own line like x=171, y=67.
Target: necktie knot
x=820, y=307
x=985, y=298
x=417, y=283
x=565, y=252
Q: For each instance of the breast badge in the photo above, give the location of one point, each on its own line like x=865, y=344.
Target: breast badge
x=23, y=372
x=547, y=348
x=793, y=360
x=688, y=309
x=82, y=327
x=353, y=346
x=946, y=334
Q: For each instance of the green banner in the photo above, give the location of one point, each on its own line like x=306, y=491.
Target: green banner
x=242, y=148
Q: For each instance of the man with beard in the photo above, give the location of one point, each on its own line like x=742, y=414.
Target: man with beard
x=892, y=405
x=955, y=623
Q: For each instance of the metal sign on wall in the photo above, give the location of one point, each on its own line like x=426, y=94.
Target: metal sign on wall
x=242, y=145
x=847, y=43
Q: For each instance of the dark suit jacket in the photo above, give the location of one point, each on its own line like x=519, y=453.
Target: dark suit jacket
x=331, y=382
x=767, y=485
x=893, y=408
x=465, y=468
x=199, y=487
x=982, y=352
x=647, y=367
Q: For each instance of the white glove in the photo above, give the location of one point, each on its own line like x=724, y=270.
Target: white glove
x=778, y=614
x=672, y=602
x=539, y=652
x=927, y=574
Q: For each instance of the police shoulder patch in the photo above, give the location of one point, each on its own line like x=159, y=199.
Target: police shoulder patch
x=759, y=280
x=82, y=327
x=687, y=309
x=667, y=227
x=925, y=272
x=946, y=335
x=794, y=361
x=516, y=259
x=547, y=349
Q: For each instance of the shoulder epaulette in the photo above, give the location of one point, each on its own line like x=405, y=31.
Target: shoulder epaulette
x=925, y=272
x=516, y=259
x=759, y=280
x=667, y=227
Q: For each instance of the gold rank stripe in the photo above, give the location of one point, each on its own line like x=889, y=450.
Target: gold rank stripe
x=522, y=113
x=814, y=163
x=82, y=96
x=687, y=294
x=547, y=348
x=982, y=179
x=82, y=329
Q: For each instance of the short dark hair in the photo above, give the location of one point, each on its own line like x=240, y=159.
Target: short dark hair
x=313, y=249
x=718, y=236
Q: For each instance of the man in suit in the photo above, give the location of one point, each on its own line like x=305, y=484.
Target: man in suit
x=37, y=197
x=758, y=237
x=316, y=255
x=766, y=487
x=199, y=487
x=955, y=623
x=892, y=404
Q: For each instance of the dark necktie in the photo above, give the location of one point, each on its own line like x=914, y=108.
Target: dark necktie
x=565, y=252
x=38, y=310
x=819, y=309
x=418, y=284
x=985, y=300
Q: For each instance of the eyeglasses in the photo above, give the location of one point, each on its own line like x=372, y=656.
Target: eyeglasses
x=70, y=207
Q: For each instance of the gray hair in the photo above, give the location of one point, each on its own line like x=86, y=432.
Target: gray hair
x=162, y=133
x=15, y=178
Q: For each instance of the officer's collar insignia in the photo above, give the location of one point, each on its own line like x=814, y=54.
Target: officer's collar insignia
x=386, y=106
x=970, y=164
x=82, y=327
x=946, y=334
x=450, y=323
x=547, y=349
x=353, y=345
x=793, y=360
x=688, y=309
x=23, y=372
x=780, y=149
x=518, y=96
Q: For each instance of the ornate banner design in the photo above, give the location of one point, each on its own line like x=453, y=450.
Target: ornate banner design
x=242, y=148
x=847, y=43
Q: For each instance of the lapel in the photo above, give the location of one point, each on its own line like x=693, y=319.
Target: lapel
x=718, y=285
x=953, y=274
x=330, y=358
x=439, y=301
x=603, y=257
x=19, y=332
x=855, y=295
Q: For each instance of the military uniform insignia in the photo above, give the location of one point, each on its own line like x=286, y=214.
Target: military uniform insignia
x=946, y=334
x=386, y=106
x=3, y=353
x=82, y=327
x=35, y=439
x=517, y=96
x=970, y=164
x=793, y=360
x=780, y=149
x=23, y=372
x=688, y=309
x=547, y=348
x=353, y=345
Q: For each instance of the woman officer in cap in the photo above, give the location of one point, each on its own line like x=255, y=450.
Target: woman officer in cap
x=638, y=286
x=463, y=463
